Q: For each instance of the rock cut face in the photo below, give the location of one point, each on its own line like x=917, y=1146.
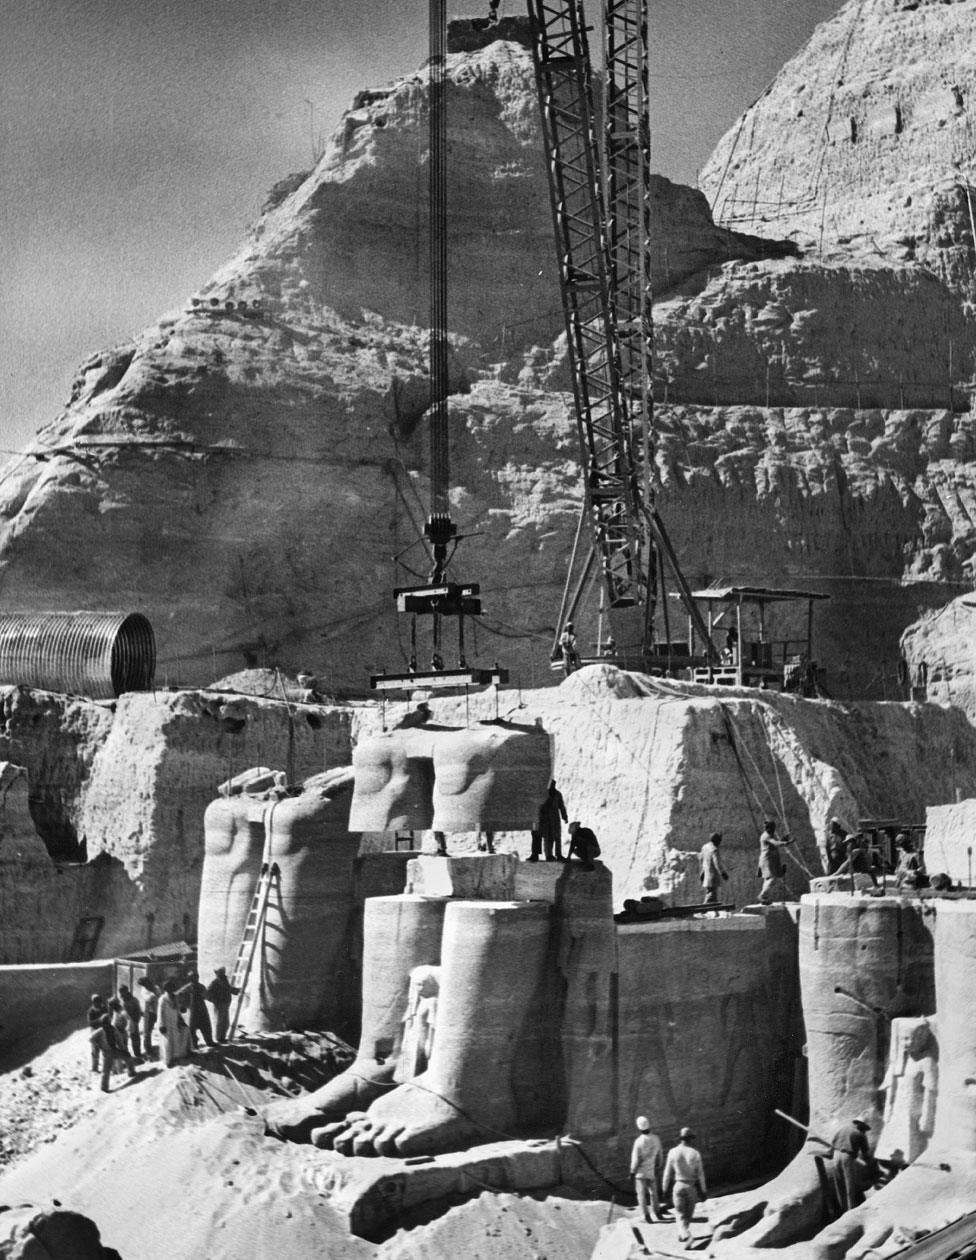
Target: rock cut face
x=863, y=140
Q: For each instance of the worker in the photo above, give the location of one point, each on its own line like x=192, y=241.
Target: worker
x=220, y=994
x=850, y=1144
x=150, y=1010
x=584, y=845
x=95, y=1012
x=910, y=871
x=103, y=1046
x=133, y=1009
x=440, y=839
x=858, y=863
x=173, y=1027
x=730, y=654
x=192, y=1001
x=548, y=833
x=646, y=1159
x=684, y=1177
x=115, y=1023
x=834, y=847
x=771, y=869
x=713, y=873
x=569, y=649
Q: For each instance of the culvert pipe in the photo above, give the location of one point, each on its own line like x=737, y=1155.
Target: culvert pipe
x=96, y=654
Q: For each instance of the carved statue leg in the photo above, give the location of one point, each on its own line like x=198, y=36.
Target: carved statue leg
x=394, y=782
x=941, y=1184
x=492, y=974
x=490, y=778
x=861, y=962
x=233, y=843
x=399, y=933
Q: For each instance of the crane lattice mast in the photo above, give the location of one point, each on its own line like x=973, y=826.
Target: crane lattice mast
x=601, y=217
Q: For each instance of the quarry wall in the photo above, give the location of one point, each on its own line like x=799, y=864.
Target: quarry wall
x=652, y=767
x=710, y=1034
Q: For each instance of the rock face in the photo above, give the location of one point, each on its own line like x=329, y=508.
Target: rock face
x=246, y=469
x=863, y=140
x=653, y=769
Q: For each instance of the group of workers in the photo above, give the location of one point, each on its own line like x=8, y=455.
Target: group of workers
x=771, y=869
x=850, y=853
x=841, y=853
x=547, y=833
x=681, y=1175
x=845, y=1166
x=122, y=1027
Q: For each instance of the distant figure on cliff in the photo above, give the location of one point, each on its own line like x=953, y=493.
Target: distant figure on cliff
x=193, y=1000
x=771, y=869
x=548, y=833
x=646, y=1158
x=583, y=845
x=684, y=1176
x=713, y=873
x=95, y=1012
x=850, y=1144
x=150, y=1011
x=569, y=649
x=834, y=848
x=173, y=1027
x=133, y=1010
x=220, y=994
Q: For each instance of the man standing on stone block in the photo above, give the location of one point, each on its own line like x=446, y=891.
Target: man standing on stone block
x=548, y=833
x=771, y=869
x=685, y=1177
x=646, y=1159
x=712, y=870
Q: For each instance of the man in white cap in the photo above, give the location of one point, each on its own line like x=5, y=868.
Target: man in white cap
x=684, y=1173
x=645, y=1167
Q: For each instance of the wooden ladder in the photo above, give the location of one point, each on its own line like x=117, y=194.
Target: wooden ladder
x=253, y=938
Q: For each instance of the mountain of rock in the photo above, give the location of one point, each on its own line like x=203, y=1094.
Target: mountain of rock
x=251, y=471
x=864, y=140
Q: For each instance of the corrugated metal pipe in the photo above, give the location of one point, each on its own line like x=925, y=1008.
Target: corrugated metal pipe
x=97, y=654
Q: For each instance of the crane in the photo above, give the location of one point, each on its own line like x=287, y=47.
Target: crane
x=440, y=597
x=600, y=206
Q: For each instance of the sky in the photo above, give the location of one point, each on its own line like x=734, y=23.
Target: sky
x=138, y=139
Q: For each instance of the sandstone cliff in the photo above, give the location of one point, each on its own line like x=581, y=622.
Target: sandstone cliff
x=863, y=140
x=246, y=470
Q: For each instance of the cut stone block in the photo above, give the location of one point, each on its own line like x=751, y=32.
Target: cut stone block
x=480, y=877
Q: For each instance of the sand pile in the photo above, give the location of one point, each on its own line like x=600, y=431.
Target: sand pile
x=171, y=1166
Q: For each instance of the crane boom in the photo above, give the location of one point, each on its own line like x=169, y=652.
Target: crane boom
x=600, y=207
